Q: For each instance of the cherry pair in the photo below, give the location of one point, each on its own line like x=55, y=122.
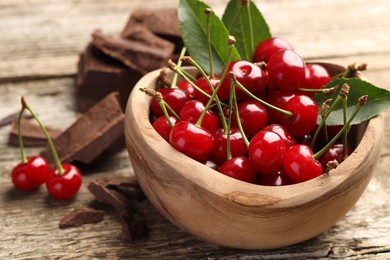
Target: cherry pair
x=62, y=183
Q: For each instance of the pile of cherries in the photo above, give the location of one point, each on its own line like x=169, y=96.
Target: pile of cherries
x=255, y=125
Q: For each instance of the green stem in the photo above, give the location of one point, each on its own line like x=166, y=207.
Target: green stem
x=20, y=138
x=239, y=125
x=175, y=76
x=345, y=135
x=49, y=141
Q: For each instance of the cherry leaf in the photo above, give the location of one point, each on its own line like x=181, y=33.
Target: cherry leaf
x=237, y=21
x=378, y=100
x=193, y=28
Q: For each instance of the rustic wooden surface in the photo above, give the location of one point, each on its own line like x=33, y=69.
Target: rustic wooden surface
x=39, y=47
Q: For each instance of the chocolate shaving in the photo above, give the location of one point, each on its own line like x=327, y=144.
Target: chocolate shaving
x=81, y=216
x=32, y=134
x=91, y=134
x=133, y=223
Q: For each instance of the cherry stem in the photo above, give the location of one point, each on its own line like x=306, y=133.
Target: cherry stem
x=174, y=79
x=350, y=70
x=48, y=138
x=239, y=125
x=345, y=135
x=208, y=13
x=20, y=138
x=362, y=100
x=231, y=101
x=325, y=91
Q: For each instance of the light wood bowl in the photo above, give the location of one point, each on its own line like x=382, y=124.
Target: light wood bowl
x=222, y=210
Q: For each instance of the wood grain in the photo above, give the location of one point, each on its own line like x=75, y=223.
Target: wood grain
x=39, y=47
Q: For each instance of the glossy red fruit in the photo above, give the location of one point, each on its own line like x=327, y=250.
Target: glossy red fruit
x=288, y=139
x=278, y=99
x=300, y=165
x=64, y=186
x=191, y=112
x=253, y=117
x=267, y=48
x=195, y=142
x=249, y=75
x=335, y=152
x=305, y=113
x=184, y=85
x=266, y=151
x=211, y=163
x=31, y=174
x=203, y=85
x=237, y=145
x=278, y=178
x=162, y=127
x=286, y=70
x=239, y=168
x=174, y=97
x=316, y=76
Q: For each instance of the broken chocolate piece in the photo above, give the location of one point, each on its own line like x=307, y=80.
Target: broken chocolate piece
x=32, y=134
x=133, y=223
x=142, y=51
x=7, y=120
x=162, y=22
x=98, y=75
x=81, y=216
x=91, y=134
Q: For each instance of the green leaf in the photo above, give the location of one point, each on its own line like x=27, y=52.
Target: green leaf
x=193, y=28
x=238, y=23
x=378, y=100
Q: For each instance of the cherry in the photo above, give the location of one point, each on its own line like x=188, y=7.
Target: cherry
x=316, y=76
x=267, y=48
x=239, y=168
x=186, y=86
x=174, y=97
x=249, y=75
x=31, y=174
x=211, y=163
x=288, y=139
x=65, y=185
x=278, y=178
x=237, y=145
x=204, y=85
x=305, y=113
x=253, y=117
x=162, y=126
x=335, y=152
x=300, y=164
x=191, y=112
x=195, y=142
x=278, y=99
x=266, y=151
x=286, y=70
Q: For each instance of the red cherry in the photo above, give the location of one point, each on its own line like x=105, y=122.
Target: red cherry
x=278, y=178
x=300, y=165
x=184, y=85
x=237, y=145
x=203, y=85
x=162, y=127
x=249, y=75
x=191, y=112
x=288, y=139
x=316, y=76
x=305, y=113
x=64, y=186
x=31, y=174
x=335, y=152
x=195, y=142
x=278, y=99
x=267, y=48
x=174, y=97
x=286, y=70
x=211, y=163
x=239, y=168
x=266, y=151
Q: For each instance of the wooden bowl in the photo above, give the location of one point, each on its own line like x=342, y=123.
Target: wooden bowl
x=225, y=211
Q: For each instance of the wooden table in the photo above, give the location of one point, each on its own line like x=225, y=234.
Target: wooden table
x=39, y=47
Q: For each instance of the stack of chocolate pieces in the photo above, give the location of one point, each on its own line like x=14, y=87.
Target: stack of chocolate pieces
x=116, y=62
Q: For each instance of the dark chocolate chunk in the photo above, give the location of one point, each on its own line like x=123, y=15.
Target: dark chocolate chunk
x=7, y=120
x=142, y=50
x=91, y=134
x=32, y=134
x=81, y=216
x=98, y=75
x=162, y=22
x=133, y=223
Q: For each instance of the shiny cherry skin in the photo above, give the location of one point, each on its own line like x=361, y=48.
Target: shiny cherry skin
x=316, y=77
x=31, y=174
x=286, y=70
x=195, y=142
x=278, y=99
x=305, y=113
x=249, y=75
x=237, y=145
x=267, y=48
x=266, y=151
x=203, y=85
x=239, y=168
x=64, y=186
x=174, y=97
x=335, y=152
x=211, y=163
x=278, y=178
x=300, y=165
x=184, y=85
x=288, y=139
x=191, y=112
x=162, y=127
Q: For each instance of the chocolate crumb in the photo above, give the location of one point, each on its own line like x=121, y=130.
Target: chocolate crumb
x=81, y=216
